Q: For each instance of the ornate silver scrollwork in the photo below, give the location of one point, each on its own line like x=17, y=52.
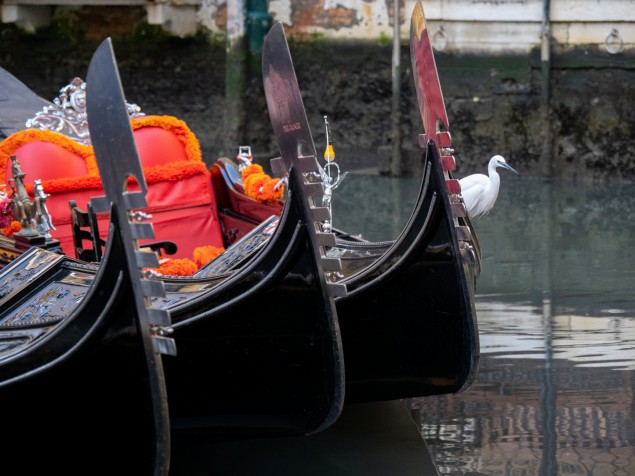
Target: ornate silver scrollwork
x=67, y=113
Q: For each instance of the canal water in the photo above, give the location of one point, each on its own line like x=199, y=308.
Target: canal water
x=555, y=391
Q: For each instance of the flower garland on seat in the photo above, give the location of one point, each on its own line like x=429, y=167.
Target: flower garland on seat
x=187, y=267
x=260, y=186
x=11, y=229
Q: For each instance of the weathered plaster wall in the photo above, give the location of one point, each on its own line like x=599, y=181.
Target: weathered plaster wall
x=459, y=26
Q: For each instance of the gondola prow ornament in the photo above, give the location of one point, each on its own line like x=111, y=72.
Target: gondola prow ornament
x=331, y=174
x=34, y=218
x=22, y=206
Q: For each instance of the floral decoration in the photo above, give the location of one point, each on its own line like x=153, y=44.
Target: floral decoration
x=187, y=267
x=6, y=212
x=12, y=228
x=260, y=186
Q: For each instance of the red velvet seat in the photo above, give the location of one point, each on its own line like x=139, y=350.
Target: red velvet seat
x=180, y=195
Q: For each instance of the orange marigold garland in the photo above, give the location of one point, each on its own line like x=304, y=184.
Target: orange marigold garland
x=186, y=266
x=177, y=267
x=14, y=227
x=252, y=169
x=173, y=171
x=205, y=254
x=253, y=184
x=272, y=190
x=260, y=186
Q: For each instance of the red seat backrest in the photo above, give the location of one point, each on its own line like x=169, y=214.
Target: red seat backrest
x=178, y=179
x=158, y=146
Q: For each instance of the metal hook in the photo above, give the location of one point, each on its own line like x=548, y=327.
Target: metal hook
x=614, y=42
x=440, y=39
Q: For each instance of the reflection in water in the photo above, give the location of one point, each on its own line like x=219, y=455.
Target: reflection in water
x=387, y=204
x=518, y=330
x=555, y=392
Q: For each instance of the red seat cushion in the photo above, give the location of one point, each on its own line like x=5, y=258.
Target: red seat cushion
x=179, y=187
x=45, y=155
x=157, y=146
x=56, y=159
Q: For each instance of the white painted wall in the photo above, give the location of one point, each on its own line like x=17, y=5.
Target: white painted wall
x=456, y=25
x=487, y=25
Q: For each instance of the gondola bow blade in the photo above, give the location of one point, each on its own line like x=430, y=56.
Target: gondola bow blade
x=118, y=161
x=291, y=128
x=426, y=78
x=292, y=132
x=284, y=102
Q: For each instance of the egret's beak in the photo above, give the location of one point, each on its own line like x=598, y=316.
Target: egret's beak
x=508, y=167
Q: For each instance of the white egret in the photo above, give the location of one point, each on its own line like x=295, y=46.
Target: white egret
x=480, y=191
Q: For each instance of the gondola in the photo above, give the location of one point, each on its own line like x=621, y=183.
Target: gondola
x=428, y=334
x=79, y=384
x=407, y=321
x=18, y=101
x=243, y=365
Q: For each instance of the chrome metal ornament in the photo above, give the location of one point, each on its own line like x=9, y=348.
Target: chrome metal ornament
x=22, y=207
x=331, y=175
x=244, y=157
x=32, y=215
x=43, y=222
x=67, y=114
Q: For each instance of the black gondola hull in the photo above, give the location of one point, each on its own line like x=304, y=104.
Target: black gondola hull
x=79, y=382
x=408, y=322
x=260, y=356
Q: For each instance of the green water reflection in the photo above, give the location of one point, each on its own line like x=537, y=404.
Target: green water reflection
x=555, y=392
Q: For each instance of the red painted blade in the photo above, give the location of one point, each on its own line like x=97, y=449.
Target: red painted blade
x=426, y=78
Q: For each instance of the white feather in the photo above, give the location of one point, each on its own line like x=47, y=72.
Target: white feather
x=480, y=191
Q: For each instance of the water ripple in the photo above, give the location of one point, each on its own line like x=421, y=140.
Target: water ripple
x=524, y=331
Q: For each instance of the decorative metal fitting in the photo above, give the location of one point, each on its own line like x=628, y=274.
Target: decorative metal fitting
x=614, y=42
x=67, y=114
x=440, y=40
x=140, y=216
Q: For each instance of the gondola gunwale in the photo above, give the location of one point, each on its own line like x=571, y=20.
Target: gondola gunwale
x=398, y=378
x=320, y=417
x=31, y=361
x=412, y=237
x=278, y=246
